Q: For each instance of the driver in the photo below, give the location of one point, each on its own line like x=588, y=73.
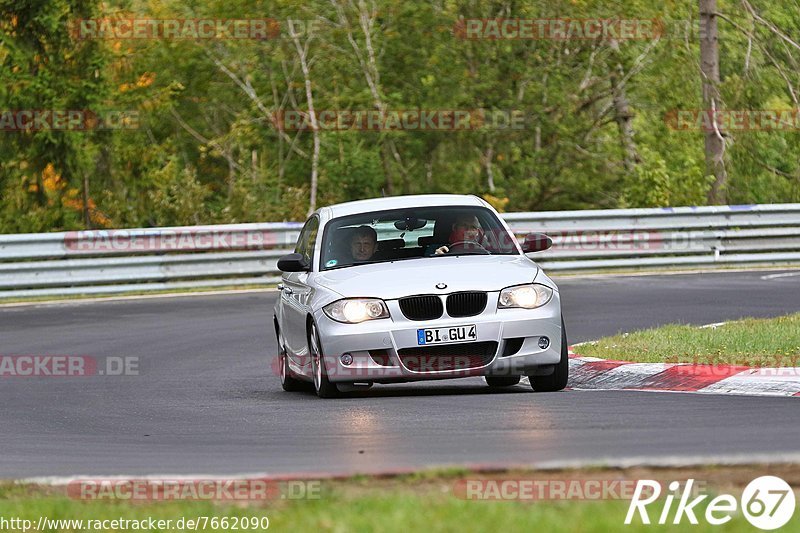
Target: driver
x=466, y=234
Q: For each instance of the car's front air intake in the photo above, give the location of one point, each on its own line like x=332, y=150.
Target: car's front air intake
x=448, y=356
x=421, y=307
x=466, y=304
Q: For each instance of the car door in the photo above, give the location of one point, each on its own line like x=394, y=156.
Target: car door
x=296, y=294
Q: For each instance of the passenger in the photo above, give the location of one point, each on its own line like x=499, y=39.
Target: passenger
x=363, y=243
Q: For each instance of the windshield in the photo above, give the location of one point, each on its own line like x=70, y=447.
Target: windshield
x=413, y=233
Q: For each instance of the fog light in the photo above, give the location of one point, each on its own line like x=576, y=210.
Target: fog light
x=544, y=342
x=346, y=359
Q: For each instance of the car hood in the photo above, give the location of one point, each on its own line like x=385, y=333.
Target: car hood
x=420, y=276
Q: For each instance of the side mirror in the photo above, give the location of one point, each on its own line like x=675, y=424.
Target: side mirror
x=293, y=263
x=536, y=242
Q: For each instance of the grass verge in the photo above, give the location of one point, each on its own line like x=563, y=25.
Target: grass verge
x=425, y=501
x=771, y=342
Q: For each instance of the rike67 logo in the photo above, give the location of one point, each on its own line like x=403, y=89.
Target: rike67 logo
x=767, y=502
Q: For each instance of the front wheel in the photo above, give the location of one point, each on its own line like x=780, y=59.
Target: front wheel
x=558, y=379
x=323, y=387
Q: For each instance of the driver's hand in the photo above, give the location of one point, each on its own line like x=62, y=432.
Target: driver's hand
x=441, y=250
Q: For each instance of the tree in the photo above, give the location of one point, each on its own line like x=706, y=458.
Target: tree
x=709, y=69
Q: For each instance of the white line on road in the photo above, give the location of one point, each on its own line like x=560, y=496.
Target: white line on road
x=781, y=275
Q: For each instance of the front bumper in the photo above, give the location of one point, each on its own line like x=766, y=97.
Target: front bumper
x=376, y=345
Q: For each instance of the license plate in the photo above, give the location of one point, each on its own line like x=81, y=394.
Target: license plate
x=447, y=335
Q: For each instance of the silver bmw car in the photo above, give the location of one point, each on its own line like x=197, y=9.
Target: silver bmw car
x=412, y=288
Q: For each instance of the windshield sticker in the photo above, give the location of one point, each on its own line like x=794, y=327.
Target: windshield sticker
x=331, y=263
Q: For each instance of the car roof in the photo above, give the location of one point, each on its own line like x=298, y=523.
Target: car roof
x=399, y=202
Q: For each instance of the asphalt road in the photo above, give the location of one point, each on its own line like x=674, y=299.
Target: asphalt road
x=205, y=400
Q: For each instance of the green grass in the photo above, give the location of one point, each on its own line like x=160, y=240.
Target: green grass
x=423, y=503
x=772, y=342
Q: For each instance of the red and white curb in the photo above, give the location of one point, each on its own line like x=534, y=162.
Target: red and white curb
x=603, y=374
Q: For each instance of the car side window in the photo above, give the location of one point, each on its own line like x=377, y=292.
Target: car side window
x=308, y=239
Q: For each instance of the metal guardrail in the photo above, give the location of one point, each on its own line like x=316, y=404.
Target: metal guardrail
x=114, y=261
x=706, y=236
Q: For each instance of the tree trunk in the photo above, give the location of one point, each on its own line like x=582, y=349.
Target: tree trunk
x=87, y=218
x=302, y=54
x=231, y=179
x=486, y=157
x=387, y=169
x=709, y=69
x=623, y=116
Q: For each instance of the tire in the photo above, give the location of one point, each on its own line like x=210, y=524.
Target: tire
x=323, y=387
x=289, y=383
x=501, y=381
x=558, y=379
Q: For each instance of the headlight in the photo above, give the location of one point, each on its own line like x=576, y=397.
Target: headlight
x=525, y=296
x=355, y=310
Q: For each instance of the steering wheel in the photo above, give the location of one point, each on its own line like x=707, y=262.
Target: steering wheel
x=464, y=244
